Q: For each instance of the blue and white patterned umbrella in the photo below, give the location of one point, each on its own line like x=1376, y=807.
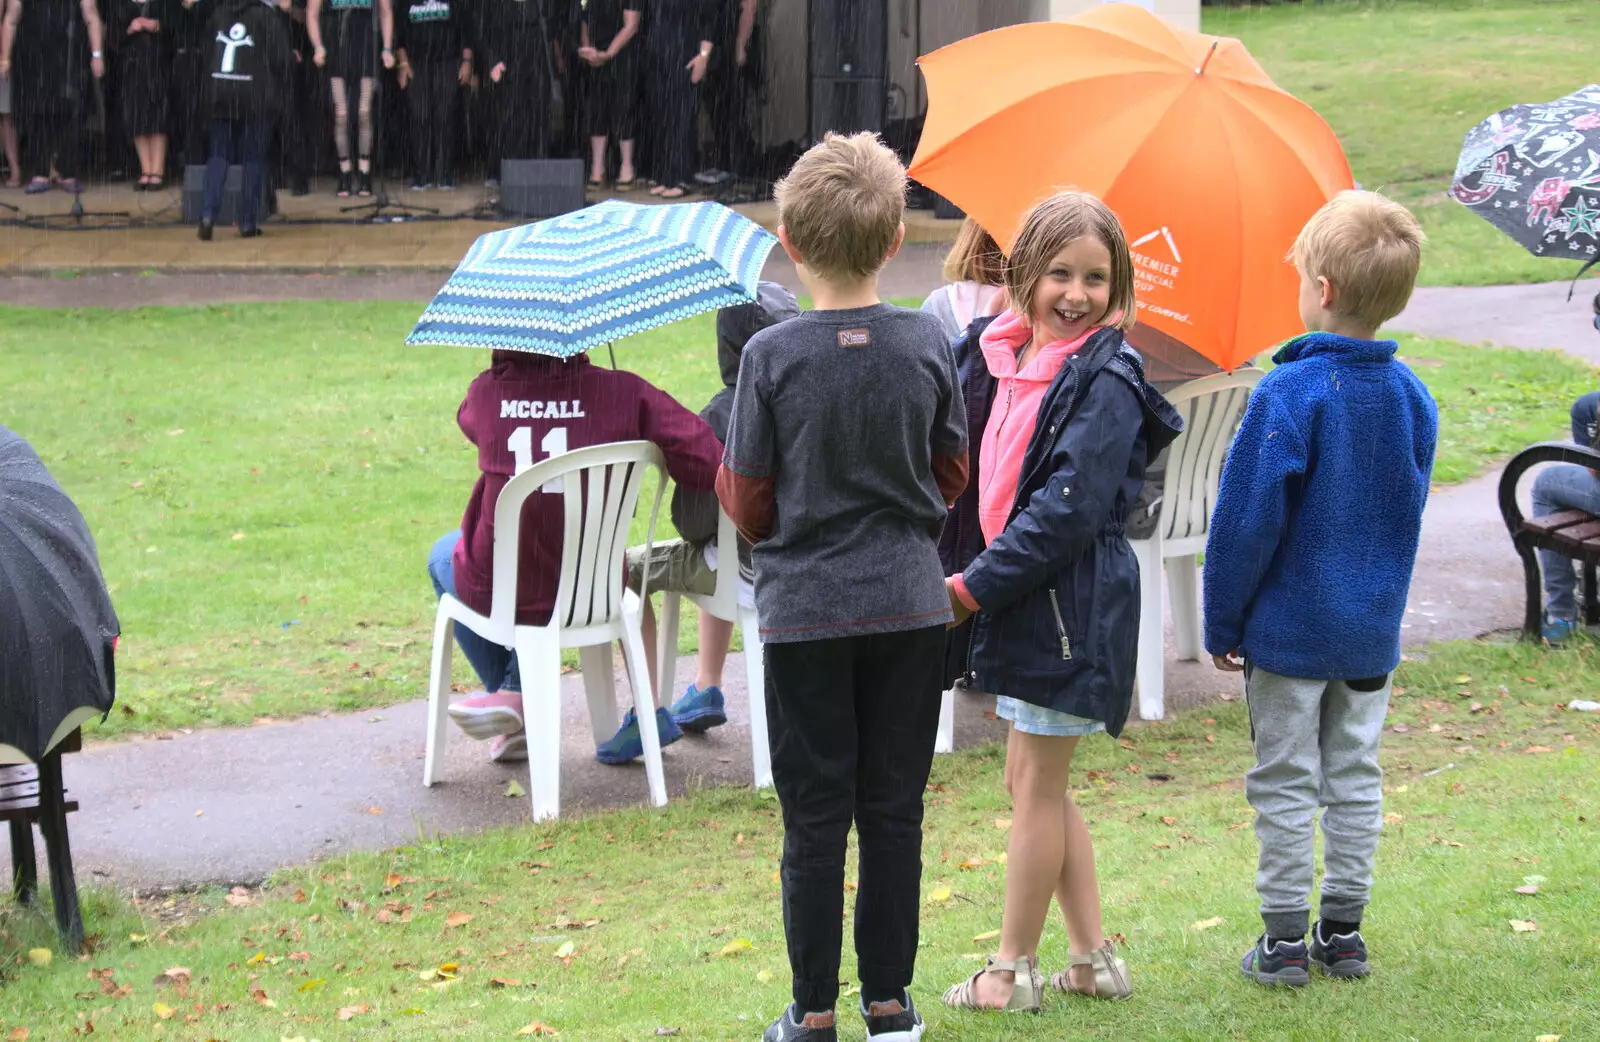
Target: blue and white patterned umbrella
x=571, y=283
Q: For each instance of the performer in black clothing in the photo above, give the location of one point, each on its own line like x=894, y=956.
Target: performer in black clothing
x=678, y=48
x=188, y=20
x=351, y=72
x=518, y=52
x=141, y=35
x=248, y=69
x=611, y=50
x=733, y=77
x=50, y=48
x=435, y=63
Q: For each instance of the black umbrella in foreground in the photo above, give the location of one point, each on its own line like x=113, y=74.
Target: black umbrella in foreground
x=57, y=626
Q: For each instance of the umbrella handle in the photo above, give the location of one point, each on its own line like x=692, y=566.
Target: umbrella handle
x=1591, y=262
x=612, y=351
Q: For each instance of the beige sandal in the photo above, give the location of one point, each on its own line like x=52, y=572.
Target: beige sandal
x=1111, y=980
x=1025, y=996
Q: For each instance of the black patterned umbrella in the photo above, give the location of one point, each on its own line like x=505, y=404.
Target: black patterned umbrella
x=57, y=627
x=1533, y=171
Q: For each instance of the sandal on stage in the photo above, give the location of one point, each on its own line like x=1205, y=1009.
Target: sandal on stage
x=624, y=186
x=675, y=192
x=1111, y=980
x=1024, y=995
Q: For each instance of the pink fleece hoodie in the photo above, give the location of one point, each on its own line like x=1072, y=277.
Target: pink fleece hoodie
x=1012, y=418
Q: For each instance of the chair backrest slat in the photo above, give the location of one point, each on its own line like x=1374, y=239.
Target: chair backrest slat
x=1212, y=408
x=601, y=486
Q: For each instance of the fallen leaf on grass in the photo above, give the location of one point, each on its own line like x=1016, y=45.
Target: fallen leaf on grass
x=566, y=950
x=311, y=985
x=939, y=894
x=1534, y=880
x=163, y=1010
x=18, y=1035
x=346, y=1012
x=991, y=935
x=1002, y=823
x=666, y=1031
x=1528, y=890
x=538, y=1028
x=1523, y=925
x=1169, y=821
x=40, y=956
x=259, y=995
x=735, y=946
x=1538, y=749
x=455, y=919
x=505, y=982
x=1462, y=679
x=238, y=897
x=513, y=790
x=1548, y=1038
x=763, y=976
x=137, y=938
x=1206, y=924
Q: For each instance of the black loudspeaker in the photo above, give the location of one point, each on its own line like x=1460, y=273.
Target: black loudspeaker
x=194, y=196
x=848, y=44
x=541, y=188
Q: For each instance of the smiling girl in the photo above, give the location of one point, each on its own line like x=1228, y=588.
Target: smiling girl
x=1066, y=425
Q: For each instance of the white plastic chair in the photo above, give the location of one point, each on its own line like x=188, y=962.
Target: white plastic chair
x=1212, y=408
x=724, y=604
x=592, y=609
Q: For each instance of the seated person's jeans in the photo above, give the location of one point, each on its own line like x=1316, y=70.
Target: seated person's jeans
x=1567, y=488
x=496, y=666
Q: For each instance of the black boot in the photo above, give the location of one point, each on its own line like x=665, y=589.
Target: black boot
x=364, y=182
x=206, y=227
x=346, y=184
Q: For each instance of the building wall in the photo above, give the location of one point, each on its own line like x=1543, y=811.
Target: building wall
x=916, y=27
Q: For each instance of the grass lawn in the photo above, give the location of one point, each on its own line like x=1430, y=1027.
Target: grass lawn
x=1402, y=82
x=617, y=925
x=264, y=482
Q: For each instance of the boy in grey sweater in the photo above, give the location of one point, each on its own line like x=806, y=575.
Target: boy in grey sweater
x=846, y=446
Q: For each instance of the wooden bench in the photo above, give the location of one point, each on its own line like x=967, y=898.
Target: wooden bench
x=33, y=794
x=1571, y=533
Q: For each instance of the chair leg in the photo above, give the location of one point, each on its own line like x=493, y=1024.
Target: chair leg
x=667, y=653
x=24, y=866
x=945, y=739
x=1183, y=590
x=755, y=673
x=438, y=697
x=1151, y=676
x=600, y=688
x=1533, y=613
x=539, y=661
x=58, y=852
x=644, y=702
x=1591, y=596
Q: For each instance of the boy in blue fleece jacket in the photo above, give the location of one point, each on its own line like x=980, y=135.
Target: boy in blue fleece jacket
x=1307, y=566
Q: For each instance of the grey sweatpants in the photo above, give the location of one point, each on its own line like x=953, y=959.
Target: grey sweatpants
x=1316, y=744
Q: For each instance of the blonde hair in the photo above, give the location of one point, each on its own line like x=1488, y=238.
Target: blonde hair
x=975, y=257
x=1369, y=248
x=1047, y=229
x=842, y=203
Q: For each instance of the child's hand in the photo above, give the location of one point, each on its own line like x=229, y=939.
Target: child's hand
x=1232, y=662
x=957, y=607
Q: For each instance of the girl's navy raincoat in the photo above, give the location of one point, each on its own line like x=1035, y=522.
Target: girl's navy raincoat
x=1059, y=587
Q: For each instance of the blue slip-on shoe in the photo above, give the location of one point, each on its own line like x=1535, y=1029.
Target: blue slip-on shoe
x=627, y=744
x=1283, y=963
x=699, y=711
x=1558, y=631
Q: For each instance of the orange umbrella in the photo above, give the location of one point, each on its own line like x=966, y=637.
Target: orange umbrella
x=1212, y=167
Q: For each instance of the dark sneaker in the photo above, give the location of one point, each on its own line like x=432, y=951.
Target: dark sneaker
x=420, y=184
x=1283, y=963
x=699, y=711
x=251, y=233
x=300, y=188
x=1558, y=631
x=792, y=1027
x=628, y=744
x=1342, y=955
x=206, y=229
x=893, y=1021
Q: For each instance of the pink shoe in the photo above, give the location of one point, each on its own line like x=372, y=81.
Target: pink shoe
x=509, y=748
x=485, y=715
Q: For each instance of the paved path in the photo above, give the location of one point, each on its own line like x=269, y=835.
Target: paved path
x=327, y=785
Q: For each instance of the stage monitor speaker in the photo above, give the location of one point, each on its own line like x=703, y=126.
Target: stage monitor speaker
x=194, y=195
x=541, y=188
x=848, y=44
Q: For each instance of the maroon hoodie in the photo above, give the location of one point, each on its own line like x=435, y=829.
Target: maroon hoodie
x=535, y=406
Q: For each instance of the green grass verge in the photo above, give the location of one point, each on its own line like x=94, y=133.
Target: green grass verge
x=244, y=468
x=614, y=926
x=1402, y=81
